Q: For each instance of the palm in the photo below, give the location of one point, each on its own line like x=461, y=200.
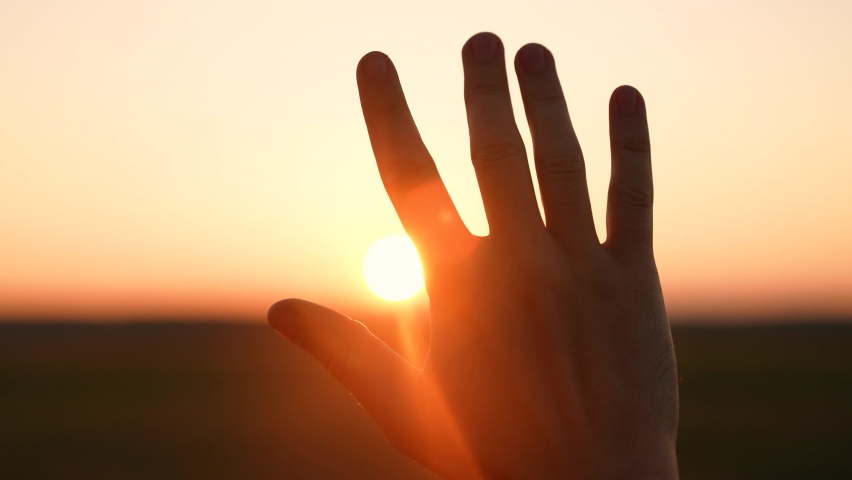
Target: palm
x=550, y=353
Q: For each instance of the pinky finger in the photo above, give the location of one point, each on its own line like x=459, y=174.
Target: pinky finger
x=631, y=188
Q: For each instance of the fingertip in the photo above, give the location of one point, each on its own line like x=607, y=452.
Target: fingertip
x=286, y=318
x=373, y=65
x=531, y=58
x=281, y=309
x=483, y=46
x=626, y=100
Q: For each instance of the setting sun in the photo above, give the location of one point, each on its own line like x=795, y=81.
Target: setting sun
x=392, y=268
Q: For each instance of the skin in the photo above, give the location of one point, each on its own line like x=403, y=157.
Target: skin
x=551, y=354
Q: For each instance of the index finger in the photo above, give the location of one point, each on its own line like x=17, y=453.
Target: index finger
x=408, y=172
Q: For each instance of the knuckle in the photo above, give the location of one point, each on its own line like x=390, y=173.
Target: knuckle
x=499, y=153
x=337, y=362
x=639, y=196
x=548, y=101
x=634, y=145
x=406, y=174
x=389, y=112
x=485, y=89
x=566, y=167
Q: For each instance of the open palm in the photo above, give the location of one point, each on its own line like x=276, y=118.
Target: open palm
x=550, y=353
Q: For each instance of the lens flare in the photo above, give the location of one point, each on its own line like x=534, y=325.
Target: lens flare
x=392, y=268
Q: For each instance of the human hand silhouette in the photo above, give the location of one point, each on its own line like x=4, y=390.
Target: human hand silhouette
x=550, y=353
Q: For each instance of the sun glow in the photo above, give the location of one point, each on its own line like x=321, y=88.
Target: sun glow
x=392, y=268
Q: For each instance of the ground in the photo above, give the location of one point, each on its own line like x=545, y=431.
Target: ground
x=238, y=401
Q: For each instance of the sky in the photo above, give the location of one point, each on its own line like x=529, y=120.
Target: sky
x=204, y=158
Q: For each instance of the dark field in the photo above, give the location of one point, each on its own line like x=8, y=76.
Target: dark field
x=230, y=401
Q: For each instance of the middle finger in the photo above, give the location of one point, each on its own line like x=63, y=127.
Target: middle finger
x=497, y=149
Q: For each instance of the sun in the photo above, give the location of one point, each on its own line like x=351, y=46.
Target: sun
x=392, y=268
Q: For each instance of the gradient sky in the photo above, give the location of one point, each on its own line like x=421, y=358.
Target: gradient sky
x=201, y=157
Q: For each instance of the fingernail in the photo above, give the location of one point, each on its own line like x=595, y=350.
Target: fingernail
x=532, y=58
x=375, y=65
x=484, y=46
x=627, y=100
x=287, y=321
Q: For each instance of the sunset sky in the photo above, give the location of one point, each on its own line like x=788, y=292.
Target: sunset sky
x=198, y=158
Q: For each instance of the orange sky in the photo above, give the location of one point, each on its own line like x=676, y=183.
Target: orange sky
x=204, y=158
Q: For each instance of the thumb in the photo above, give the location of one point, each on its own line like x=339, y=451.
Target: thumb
x=378, y=377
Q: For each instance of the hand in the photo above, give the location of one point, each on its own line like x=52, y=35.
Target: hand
x=550, y=354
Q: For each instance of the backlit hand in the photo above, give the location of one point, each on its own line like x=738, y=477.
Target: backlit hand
x=550, y=353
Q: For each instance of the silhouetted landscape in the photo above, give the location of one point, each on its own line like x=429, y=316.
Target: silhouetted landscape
x=153, y=400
